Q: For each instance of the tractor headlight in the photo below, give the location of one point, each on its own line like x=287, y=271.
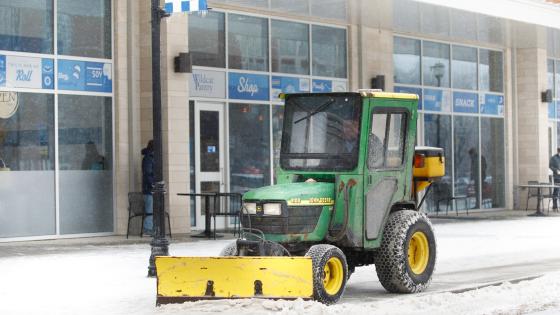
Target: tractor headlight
x=251, y=207
x=272, y=208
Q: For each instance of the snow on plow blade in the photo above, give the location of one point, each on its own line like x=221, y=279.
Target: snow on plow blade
x=181, y=279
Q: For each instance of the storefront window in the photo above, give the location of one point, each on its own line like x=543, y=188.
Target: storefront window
x=207, y=39
x=85, y=160
x=466, y=154
x=435, y=64
x=464, y=68
x=26, y=26
x=437, y=133
x=329, y=51
x=557, y=78
x=27, y=205
x=492, y=162
x=406, y=60
x=491, y=71
x=249, y=146
x=248, y=42
x=290, y=47
x=84, y=28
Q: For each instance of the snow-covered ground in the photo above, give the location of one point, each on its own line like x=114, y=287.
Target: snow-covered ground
x=112, y=280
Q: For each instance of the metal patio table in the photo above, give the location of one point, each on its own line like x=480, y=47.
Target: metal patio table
x=539, y=188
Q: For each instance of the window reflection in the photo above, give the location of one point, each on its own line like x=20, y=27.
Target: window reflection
x=277, y=123
x=207, y=39
x=435, y=62
x=329, y=51
x=464, y=68
x=16, y=31
x=406, y=60
x=467, y=155
x=492, y=162
x=248, y=42
x=491, y=70
x=249, y=146
x=84, y=28
x=290, y=47
x=437, y=133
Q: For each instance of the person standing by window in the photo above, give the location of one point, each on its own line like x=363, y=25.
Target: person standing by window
x=554, y=165
x=148, y=185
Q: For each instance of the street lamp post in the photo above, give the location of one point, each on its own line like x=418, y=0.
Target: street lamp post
x=160, y=243
x=439, y=71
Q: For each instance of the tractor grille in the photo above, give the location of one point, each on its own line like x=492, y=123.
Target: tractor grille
x=297, y=220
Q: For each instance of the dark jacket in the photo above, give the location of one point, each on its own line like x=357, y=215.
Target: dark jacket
x=147, y=171
x=554, y=165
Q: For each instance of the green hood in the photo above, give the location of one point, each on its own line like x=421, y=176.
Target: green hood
x=293, y=191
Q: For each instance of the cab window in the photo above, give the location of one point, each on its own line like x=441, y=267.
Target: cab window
x=387, y=138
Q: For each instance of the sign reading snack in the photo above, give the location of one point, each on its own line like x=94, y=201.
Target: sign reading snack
x=8, y=104
x=204, y=83
x=26, y=72
x=464, y=102
x=288, y=85
x=244, y=86
x=88, y=76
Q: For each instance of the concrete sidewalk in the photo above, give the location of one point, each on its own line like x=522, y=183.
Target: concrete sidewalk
x=45, y=247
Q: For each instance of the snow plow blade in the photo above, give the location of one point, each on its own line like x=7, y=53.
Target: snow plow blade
x=181, y=279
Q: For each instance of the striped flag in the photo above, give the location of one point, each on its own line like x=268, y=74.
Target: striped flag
x=174, y=6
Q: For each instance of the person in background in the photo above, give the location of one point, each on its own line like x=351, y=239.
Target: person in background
x=554, y=166
x=93, y=160
x=148, y=185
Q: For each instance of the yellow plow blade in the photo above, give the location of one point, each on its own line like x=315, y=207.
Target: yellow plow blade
x=181, y=279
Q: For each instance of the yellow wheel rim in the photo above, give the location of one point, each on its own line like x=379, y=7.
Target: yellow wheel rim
x=418, y=252
x=333, y=275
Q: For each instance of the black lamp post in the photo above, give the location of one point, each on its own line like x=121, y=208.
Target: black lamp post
x=160, y=243
x=439, y=70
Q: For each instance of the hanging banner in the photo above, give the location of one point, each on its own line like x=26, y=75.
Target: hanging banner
x=175, y=6
x=465, y=102
x=244, y=86
x=287, y=85
x=411, y=90
x=205, y=83
x=492, y=104
x=75, y=75
x=26, y=72
x=322, y=86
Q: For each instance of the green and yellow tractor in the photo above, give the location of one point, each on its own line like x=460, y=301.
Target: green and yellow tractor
x=348, y=194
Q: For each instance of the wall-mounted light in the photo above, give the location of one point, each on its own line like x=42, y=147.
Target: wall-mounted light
x=546, y=96
x=183, y=63
x=378, y=82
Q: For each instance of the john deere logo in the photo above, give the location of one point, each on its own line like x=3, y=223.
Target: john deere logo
x=259, y=209
x=8, y=104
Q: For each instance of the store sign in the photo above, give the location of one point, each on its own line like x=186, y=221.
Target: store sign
x=464, y=102
x=339, y=86
x=8, y=104
x=244, y=86
x=75, y=75
x=322, y=86
x=410, y=90
x=492, y=104
x=288, y=85
x=205, y=83
x=26, y=72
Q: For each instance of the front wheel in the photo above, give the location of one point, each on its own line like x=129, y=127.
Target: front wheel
x=330, y=273
x=406, y=259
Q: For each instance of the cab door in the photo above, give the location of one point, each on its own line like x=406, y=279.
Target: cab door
x=386, y=165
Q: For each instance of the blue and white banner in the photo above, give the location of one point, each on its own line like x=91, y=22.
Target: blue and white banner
x=175, y=6
x=411, y=90
x=557, y=109
x=551, y=110
x=87, y=76
x=26, y=72
x=245, y=86
x=322, y=86
x=492, y=104
x=288, y=85
x=465, y=102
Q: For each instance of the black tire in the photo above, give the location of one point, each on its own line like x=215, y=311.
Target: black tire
x=321, y=256
x=392, y=263
x=230, y=250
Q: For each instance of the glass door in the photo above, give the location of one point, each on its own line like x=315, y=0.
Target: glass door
x=209, y=154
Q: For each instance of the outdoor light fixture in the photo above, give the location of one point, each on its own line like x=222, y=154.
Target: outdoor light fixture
x=438, y=70
x=546, y=96
x=183, y=63
x=378, y=82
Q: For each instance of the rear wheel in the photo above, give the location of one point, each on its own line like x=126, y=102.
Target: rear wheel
x=406, y=259
x=330, y=273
